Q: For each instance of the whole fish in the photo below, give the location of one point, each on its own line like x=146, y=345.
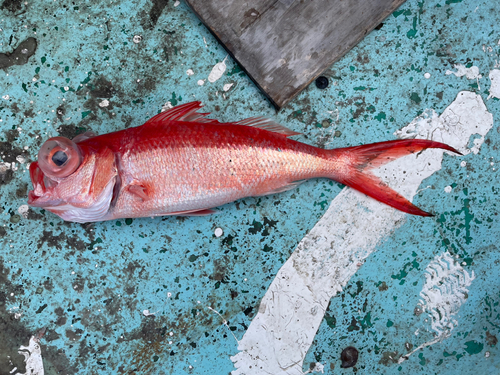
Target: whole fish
x=182, y=163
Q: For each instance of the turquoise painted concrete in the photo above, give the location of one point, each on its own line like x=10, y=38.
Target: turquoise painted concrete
x=89, y=284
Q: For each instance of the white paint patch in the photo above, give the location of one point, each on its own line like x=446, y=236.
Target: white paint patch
x=218, y=232
x=23, y=210
x=470, y=73
x=217, y=71
x=137, y=39
x=201, y=82
x=227, y=86
x=463, y=163
x=148, y=313
x=427, y=75
x=104, y=103
x=444, y=292
x=189, y=72
x=177, y=3
x=6, y=97
x=32, y=357
x=292, y=309
x=495, y=84
x=21, y=159
x=448, y=189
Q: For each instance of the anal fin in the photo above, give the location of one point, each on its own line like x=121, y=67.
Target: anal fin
x=205, y=212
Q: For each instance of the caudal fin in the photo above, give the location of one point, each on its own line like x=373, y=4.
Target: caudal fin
x=357, y=162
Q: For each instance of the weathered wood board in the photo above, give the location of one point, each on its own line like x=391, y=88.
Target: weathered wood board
x=283, y=45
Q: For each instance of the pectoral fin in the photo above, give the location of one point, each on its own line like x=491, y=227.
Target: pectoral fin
x=139, y=190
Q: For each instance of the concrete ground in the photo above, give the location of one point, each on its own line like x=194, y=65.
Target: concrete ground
x=280, y=284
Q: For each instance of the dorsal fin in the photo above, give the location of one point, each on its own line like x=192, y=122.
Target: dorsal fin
x=267, y=124
x=183, y=112
x=187, y=112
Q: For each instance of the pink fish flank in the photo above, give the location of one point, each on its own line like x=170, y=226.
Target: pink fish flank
x=182, y=163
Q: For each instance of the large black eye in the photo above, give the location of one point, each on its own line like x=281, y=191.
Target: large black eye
x=59, y=158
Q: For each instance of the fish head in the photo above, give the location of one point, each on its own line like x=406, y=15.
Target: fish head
x=73, y=180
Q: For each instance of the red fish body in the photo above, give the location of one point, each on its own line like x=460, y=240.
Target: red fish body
x=181, y=163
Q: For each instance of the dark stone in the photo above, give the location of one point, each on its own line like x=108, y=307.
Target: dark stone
x=349, y=357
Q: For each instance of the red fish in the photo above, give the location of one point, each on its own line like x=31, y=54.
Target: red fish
x=182, y=163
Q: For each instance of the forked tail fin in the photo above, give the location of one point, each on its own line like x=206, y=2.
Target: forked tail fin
x=357, y=162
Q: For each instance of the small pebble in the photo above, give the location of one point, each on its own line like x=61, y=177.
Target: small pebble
x=349, y=357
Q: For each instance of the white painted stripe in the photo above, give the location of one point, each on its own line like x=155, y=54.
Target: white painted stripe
x=294, y=305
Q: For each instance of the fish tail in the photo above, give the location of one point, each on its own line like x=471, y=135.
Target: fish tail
x=353, y=164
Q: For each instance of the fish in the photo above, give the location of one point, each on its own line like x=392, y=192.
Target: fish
x=180, y=162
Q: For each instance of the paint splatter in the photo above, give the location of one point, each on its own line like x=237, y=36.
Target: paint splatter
x=293, y=307
x=217, y=71
x=189, y=72
x=104, y=103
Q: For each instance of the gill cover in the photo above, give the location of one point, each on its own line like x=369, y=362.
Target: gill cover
x=59, y=157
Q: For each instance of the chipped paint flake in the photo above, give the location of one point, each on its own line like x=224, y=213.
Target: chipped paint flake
x=217, y=71
x=218, y=232
x=201, y=82
x=189, y=72
x=166, y=106
x=137, y=39
x=293, y=307
x=495, y=84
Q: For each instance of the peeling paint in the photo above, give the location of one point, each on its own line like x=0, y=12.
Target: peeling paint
x=469, y=73
x=495, y=84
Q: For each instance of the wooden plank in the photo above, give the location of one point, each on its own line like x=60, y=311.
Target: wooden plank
x=283, y=45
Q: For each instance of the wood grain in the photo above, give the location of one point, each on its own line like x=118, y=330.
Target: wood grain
x=283, y=45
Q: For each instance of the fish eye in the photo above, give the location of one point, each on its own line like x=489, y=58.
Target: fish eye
x=59, y=157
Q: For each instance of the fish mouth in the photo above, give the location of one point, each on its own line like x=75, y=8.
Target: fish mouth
x=41, y=195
